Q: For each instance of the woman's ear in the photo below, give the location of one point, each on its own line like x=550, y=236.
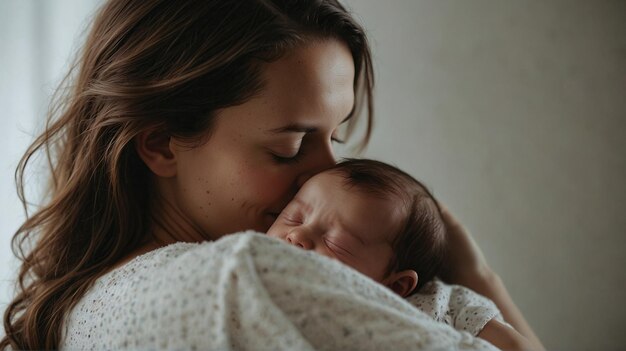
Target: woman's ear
x=154, y=149
x=402, y=283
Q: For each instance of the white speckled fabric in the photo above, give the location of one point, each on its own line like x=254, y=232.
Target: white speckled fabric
x=248, y=291
x=456, y=306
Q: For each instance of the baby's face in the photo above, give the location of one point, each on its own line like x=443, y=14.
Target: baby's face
x=345, y=224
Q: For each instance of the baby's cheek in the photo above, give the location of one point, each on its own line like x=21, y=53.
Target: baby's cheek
x=274, y=230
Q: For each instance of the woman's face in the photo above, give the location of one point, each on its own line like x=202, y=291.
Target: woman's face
x=260, y=152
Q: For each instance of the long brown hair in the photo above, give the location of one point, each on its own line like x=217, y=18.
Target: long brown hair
x=146, y=64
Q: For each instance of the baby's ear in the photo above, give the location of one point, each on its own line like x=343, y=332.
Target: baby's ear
x=154, y=148
x=402, y=283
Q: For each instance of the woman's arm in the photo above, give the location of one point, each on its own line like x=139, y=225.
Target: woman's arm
x=492, y=287
x=466, y=265
x=504, y=337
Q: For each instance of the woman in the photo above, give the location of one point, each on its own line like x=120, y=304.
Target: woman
x=185, y=122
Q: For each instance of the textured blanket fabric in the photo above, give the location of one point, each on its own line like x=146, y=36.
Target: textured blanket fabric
x=249, y=292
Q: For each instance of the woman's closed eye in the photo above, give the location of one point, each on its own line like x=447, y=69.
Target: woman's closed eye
x=294, y=157
x=289, y=153
x=286, y=159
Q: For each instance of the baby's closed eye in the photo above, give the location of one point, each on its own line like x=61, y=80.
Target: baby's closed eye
x=337, y=248
x=291, y=218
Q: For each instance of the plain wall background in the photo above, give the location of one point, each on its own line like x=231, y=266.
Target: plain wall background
x=513, y=112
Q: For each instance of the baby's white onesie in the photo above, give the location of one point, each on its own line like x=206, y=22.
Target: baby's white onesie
x=456, y=305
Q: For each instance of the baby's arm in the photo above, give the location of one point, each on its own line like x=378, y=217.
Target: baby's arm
x=465, y=310
x=455, y=305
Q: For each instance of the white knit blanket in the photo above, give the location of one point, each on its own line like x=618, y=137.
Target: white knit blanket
x=247, y=291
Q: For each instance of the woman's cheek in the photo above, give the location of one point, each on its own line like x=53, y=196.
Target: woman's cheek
x=272, y=187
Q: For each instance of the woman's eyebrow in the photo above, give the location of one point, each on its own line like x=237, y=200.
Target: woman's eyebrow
x=301, y=128
x=294, y=128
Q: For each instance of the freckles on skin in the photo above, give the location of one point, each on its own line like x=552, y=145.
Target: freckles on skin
x=232, y=181
x=207, y=197
x=238, y=183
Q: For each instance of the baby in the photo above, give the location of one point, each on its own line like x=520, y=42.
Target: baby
x=385, y=224
x=371, y=216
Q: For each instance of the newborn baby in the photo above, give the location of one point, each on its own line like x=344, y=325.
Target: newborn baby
x=382, y=222
x=371, y=216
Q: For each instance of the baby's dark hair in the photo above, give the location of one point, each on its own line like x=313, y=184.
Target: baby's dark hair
x=420, y=243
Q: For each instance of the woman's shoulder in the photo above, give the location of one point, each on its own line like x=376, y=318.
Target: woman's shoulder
x=172, y=267
x=176, y=281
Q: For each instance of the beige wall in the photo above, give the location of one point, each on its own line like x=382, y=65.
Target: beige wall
x=514, y=112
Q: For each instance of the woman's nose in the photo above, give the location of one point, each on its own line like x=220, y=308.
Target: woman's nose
x=298, y=237
x=323, y=160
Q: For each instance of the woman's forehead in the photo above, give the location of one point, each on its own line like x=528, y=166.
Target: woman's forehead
x=316, y=78
x=311, y=88
x=316, y=64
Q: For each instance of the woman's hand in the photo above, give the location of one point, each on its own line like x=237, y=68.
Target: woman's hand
x=465, y=265
x=464, y=262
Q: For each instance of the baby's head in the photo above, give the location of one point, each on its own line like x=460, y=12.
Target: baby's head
x=371, y=216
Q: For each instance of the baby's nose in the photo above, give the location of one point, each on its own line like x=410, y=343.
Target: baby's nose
x=298, y=238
